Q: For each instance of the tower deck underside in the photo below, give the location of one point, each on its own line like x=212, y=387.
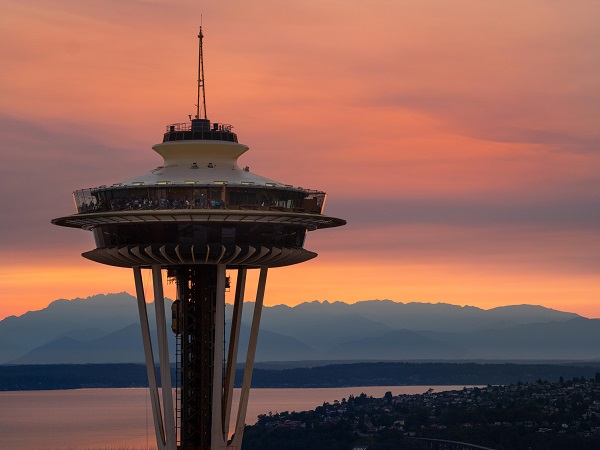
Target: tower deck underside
x=234, y=256
x=248, y=239
x=90, y=220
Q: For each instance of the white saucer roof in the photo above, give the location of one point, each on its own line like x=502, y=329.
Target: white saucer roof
x=201, y=162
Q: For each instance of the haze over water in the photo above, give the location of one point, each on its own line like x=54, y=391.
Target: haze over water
x=122, y=418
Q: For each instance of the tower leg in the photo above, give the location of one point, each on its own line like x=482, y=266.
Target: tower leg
x=234, y=340
x=245, y=393
x=217, y=439
x=163, y=352
x=149, y=357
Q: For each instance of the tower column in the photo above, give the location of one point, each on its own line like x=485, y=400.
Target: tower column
x=166, y=438
x=207, y=383
x=200, y=293
x=159, y=427
x=163, y=352
x=217, y=438
x=234, y=340
x=245, y=393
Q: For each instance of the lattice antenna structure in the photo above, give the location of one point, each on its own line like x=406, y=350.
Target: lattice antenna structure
x=201, y=106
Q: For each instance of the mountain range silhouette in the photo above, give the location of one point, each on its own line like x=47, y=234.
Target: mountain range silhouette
x=105, y=329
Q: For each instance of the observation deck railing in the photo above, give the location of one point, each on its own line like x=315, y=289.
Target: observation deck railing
x=148, y=198
x=205, y=131
x=214, y=126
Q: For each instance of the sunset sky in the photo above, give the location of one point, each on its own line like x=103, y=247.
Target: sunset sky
x=460, y=140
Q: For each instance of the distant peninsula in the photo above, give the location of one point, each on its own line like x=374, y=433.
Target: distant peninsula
x=79, y=376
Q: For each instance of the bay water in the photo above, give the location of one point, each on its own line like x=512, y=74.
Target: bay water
x=121, y=419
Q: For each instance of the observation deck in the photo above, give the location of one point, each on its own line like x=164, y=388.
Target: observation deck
x=194, y=196
x=199, y=207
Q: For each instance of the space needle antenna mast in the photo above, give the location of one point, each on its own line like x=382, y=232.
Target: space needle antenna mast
x=200, y=107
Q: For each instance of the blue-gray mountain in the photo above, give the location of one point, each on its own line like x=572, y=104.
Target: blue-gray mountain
x=105, y=328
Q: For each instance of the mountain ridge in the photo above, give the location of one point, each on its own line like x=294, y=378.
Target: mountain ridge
x=90, y=330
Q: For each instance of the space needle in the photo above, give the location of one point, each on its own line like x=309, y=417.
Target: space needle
x=196, y=216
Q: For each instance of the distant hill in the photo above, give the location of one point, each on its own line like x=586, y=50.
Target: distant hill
x=105, y=313
x=320, y=325
x=105, y=329
x=274, y=346
x=399, y=345
x=577, y=338
x=325, y=324
x=121, y=346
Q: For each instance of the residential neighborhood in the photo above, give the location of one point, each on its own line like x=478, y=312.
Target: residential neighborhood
x=564, y=414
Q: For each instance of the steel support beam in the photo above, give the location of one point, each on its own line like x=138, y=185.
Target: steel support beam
x=163, y=352
x=159, y=427
x=245, y=393
x=234, y=340
x=217, y=433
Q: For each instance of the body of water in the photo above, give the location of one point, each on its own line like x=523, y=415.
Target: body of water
x=115, y=419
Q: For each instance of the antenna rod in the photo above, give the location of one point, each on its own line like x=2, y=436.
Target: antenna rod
x=200, y=79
